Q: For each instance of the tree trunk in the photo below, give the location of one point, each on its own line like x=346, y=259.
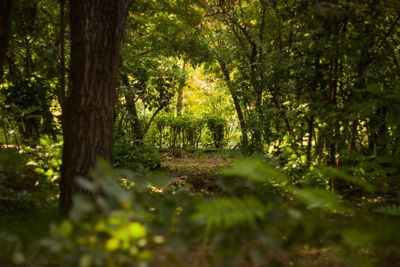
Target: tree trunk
x=310, y=139
x=97, y=27
x=239, y=112
x=179, y=102
x=5, y=28
x=133, y=116
x=62, y=93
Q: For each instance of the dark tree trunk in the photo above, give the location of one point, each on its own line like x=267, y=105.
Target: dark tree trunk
x=179, y=102
x=130, y=107
x=133, y=116
x=310, y=139
x=5, y=27
x=97, y=27
x=62, y=93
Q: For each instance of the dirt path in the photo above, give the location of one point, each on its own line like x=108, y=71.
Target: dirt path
x=202, y=173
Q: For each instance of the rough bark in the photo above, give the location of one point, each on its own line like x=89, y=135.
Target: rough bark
x=97, y=27
x=5, y=28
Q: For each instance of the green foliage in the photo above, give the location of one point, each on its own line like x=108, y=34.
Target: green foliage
x=224, y=213
x=17, y=182
x=29, y=91
x=216, y=126
x=393, y=210
x=29, y=177
x=317, y=86
x=251, y=214
x=11, y=246
x=105, y=231
x=185, y=131
x=129, y=218
x=133, y=154
x=189, y=131
x=46, y=158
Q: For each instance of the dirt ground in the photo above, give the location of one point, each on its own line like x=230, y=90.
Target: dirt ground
x=201, y=172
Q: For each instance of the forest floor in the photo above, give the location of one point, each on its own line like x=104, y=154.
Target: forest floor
x=203, y=174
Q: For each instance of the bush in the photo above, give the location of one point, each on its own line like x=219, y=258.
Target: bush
x=17, y=182
x=29, y=177
x=120, y=226
x=216, y=126
x=132, y=154
x=188, y=131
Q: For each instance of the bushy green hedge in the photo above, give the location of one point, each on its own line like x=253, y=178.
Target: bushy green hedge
x=133, y=154
x=189, y=131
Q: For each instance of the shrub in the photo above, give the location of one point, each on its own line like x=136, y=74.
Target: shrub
x=19, y=188
x=132, y=154
x=216, y=126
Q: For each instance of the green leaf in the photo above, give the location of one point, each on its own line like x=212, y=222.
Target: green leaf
x=137, y=230
x=356, y=238
x=86, y=184
x=319, y=198
x=65, y=229
x=228, y=212
x=256, y=170
x=342, y=174
x=112, y=244
x=85, y=261
x=393, y=210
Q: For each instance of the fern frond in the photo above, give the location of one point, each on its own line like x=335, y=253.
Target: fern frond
x=256, y=171
x=393, y=210
x=229, y=212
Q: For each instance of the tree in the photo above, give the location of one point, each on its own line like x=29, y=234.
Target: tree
x=31, y=79
x=97, y=27
x=5, y=25
x=160, y=37
x=153, y=82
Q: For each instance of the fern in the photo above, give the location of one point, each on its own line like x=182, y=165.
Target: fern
x=229, y=212
x=256, y=171
x=393, y=210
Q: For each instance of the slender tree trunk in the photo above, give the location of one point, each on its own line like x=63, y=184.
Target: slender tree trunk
x=97, y=27
x=5, y=28
x=239, y=112
x=310, y=139
x=133, y=116
x=261, y=124
x=179, y=102
x=153, y=116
